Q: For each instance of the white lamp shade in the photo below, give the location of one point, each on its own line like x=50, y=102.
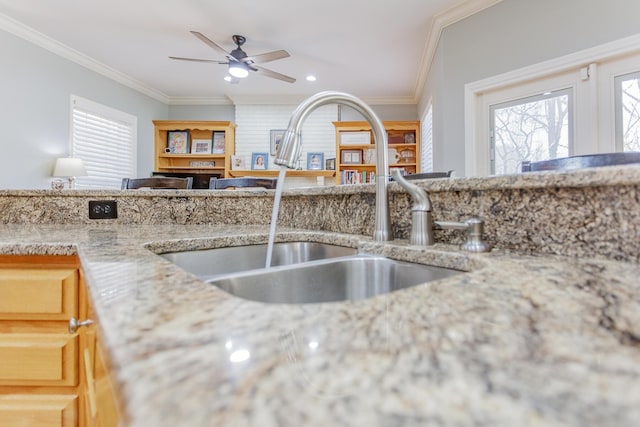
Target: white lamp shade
x=238, y=69
x=69, y=166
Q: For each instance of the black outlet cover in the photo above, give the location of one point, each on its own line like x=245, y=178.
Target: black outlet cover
x=103, y=209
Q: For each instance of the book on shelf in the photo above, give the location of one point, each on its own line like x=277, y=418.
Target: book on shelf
x=354, y=176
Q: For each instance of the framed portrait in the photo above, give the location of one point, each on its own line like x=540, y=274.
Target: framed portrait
x=259, y=161
x=409, y=138
x=238, y=162
x=351, y=157
x=178, y=142
x=315, y=161
x=276, y=139
x=218, y=142
x=330, y=164
x=201, y=146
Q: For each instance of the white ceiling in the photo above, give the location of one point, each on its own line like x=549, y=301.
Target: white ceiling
x=374, y=49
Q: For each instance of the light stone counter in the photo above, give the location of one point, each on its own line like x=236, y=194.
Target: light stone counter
x=519, y=340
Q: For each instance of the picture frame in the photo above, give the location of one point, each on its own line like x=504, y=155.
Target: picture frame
x=219, y=140
x=351, y=157
x=409, y=138
x=275, y=140
x=330, y=164
x=238, y=162
x=315, y=161
x=259, y=161
x=178, y=142
x=201, y=146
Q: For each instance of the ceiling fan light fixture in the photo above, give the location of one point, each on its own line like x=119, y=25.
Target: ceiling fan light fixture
x=238, y=69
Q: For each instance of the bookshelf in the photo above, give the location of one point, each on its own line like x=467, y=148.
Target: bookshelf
x=208, y=149
x=355, y=150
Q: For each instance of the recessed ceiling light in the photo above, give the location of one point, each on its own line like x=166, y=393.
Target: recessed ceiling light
x=311, y=78
x=227, y=78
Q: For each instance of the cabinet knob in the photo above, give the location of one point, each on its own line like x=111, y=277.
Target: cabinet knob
x=74, y=324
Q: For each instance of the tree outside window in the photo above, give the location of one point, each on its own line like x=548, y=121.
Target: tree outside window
x=533, y=128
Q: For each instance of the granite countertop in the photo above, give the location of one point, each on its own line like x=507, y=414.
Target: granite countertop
x=518, y=340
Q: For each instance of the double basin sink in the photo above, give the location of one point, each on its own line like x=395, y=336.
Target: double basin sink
x=303, y=272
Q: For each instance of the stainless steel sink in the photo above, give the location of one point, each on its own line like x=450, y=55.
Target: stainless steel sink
x=350, y=278
x=211, y=263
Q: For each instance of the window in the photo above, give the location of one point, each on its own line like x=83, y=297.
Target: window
x=426, y=133
x=584, y=103
x=533, y=128
x=627, y=105
x=105, y=139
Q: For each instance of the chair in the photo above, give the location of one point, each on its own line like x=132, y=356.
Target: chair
x=427, y=175
x=157, y=183
x=585, y=161
x=200, y=180
x=222, y=183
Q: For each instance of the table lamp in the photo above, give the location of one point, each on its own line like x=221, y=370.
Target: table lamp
x=69, y=167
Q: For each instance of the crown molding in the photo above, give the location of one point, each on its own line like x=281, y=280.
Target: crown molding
x=439, y=23
x=29, y=34
x=187, y=100
x=296, y=99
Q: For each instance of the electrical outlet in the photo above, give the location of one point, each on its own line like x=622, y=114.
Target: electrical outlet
x=103, y=209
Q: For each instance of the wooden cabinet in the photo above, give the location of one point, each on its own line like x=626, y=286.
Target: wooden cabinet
x=207, y=149
x=355, y=150
x=43, y=379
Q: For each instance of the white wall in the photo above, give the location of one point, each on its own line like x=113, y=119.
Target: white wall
x=255, y=123
x=510, y=35
x=34, y=111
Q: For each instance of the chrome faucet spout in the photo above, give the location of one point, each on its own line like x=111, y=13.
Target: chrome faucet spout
x=290, y=149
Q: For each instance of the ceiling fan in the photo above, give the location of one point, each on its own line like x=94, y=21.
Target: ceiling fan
x=239, y=62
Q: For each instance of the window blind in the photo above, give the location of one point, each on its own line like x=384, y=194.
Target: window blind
x=105, y=139
x=426, y=132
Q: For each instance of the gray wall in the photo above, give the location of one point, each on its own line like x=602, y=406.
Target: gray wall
x=34, y=111
x=510, y=35
x=225, y=113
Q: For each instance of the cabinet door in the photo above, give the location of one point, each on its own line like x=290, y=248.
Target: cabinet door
x=42, y=294
x=38, y=359
x=38, y=410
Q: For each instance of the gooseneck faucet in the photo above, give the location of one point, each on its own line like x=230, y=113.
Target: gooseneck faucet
x=290, y=149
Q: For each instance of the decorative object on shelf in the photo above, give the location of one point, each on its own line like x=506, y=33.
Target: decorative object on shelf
x=406, y=156
x=238, y=162
x=218, y=142
x=315, y=161
x=276, y=138
x=70, y=168
x=355, y=138
x=330, y=164
x=259, y=161
x=369, y=156
x=201, y=146
x=178, y=141
x=202, y=164
x=351, y=157
x=409, y=138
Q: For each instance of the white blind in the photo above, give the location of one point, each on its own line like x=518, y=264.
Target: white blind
x=426, y=132
x=105, y=139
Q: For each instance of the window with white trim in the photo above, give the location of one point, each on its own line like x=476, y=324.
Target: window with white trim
x=534, y=128
x=105, y=139
x=627, y=105
x=603, y=110
x=426, y=145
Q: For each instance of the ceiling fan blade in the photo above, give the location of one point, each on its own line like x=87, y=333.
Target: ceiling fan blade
x=273, y=74
x=209, y=42
x=196, y=60
x=267, y=57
